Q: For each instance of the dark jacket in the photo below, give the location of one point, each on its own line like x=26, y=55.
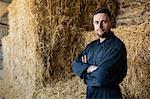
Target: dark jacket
x=111, y=58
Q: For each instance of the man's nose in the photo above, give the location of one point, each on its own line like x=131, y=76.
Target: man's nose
x=101, y=25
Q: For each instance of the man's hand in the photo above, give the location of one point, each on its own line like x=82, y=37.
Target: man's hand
x=84, y=59
x=91, y=68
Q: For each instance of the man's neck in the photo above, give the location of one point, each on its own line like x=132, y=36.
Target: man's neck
x=101, y=39
x=106, y=35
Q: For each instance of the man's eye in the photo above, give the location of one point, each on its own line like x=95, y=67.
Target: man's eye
x=96, y=22
x=104, y=21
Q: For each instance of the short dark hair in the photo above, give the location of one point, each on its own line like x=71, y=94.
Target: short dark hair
x=103, y=10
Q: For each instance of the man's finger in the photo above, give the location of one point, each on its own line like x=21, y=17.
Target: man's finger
x=85, y=59
x=82, y=59
x=95, y=68
x=91, y=68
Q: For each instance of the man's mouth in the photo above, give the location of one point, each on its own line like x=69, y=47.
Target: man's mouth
x=100, y=30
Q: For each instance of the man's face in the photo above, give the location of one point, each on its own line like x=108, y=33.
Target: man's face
x=102, y=24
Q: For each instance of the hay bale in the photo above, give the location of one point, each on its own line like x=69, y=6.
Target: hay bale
x=135, y=85
x=40, y=46
x=61, y=17
x=137, y=82
x=136, y=38
x=66, y=89
x=60, y=24
x=19, y=51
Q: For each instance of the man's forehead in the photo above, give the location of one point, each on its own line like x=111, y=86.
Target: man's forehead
x=103, y=16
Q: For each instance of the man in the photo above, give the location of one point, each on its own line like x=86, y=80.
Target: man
x=103, y=63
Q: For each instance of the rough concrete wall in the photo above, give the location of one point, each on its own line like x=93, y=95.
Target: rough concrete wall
x=133, y=12
x=3, y=8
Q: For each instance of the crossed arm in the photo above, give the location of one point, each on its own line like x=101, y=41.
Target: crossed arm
x=107, y=70
x=91, y=68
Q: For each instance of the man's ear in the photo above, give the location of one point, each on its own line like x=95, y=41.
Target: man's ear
x=113, y=23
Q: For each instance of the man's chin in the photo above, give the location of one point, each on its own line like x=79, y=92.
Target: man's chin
x=102, y=35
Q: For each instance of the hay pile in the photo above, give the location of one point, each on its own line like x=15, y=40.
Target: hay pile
x=46, y=35
x=60, y=31
x=67, y=89
x=136, y=38
x=135, y=85
x=19, y=51
x=44, y=38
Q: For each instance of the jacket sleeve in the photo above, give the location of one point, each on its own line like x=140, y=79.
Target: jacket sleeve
x=79, y=68
x=111, y=70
